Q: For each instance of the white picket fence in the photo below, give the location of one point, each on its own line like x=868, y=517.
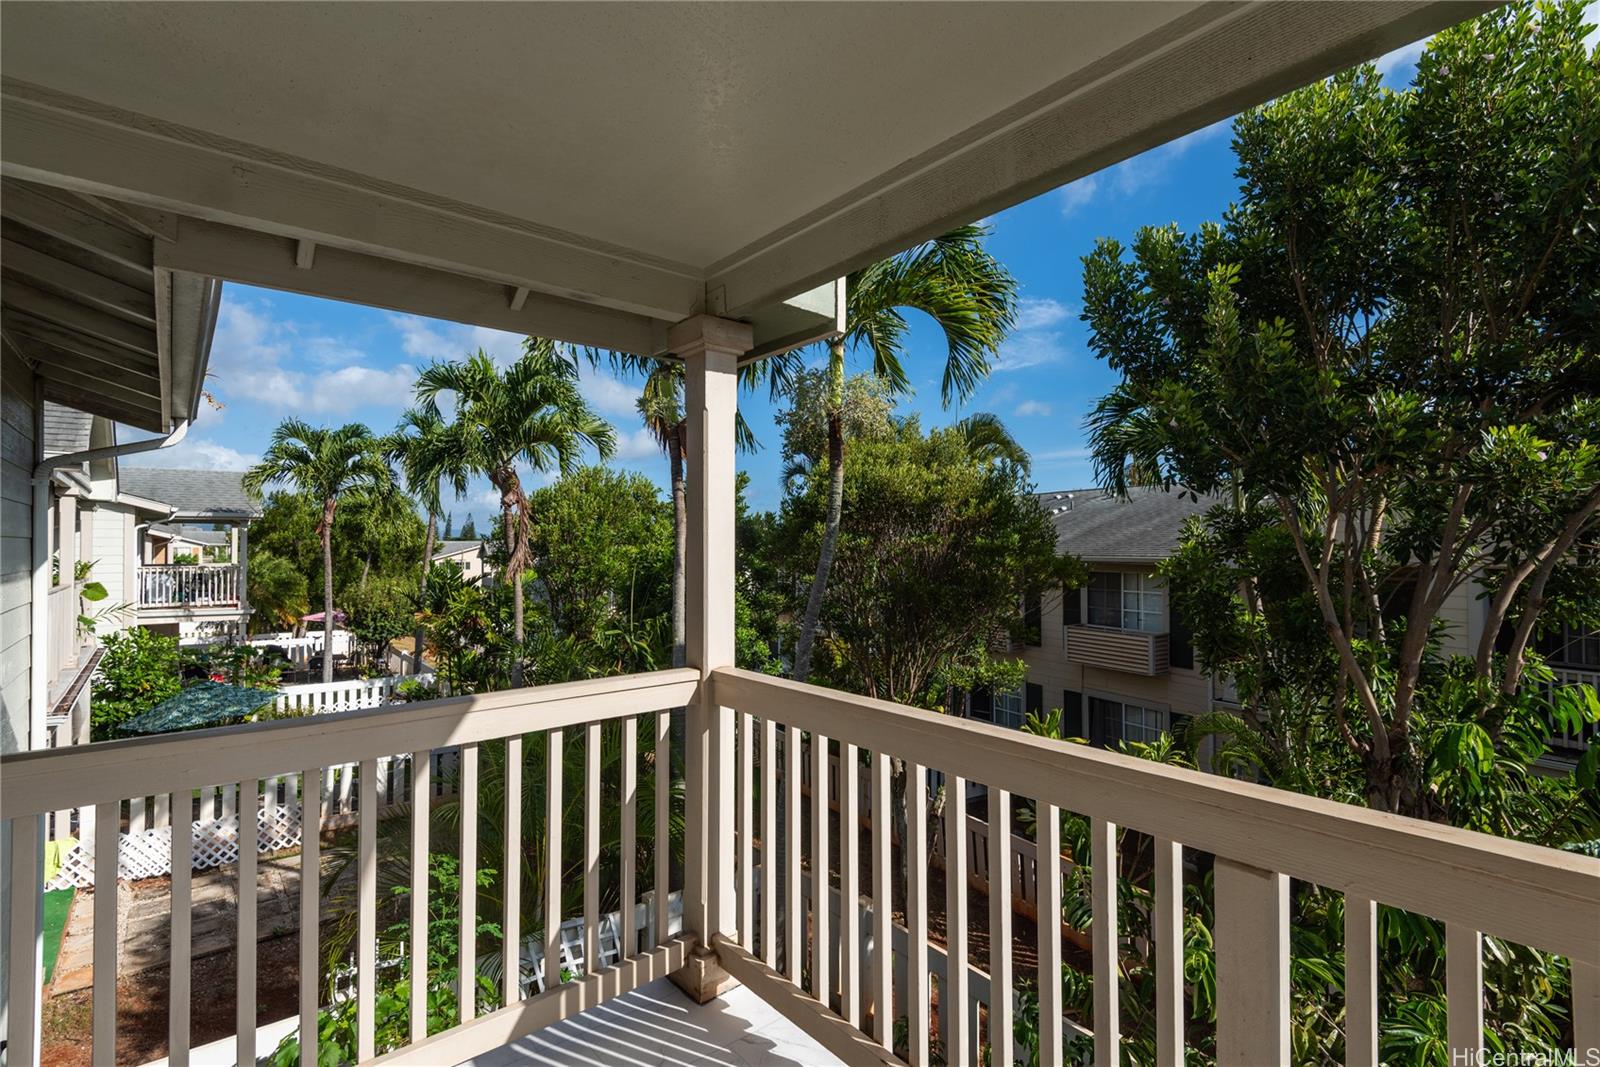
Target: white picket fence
x=299, y=650
x=145, y=850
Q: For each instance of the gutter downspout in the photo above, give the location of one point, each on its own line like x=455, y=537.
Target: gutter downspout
x=38, y=684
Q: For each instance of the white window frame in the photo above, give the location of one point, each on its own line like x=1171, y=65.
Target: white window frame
x=1141, y=603
x=1007, y=707
x=1147, y=713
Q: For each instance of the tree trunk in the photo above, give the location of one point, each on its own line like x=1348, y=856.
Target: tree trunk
x=830, y=531
x=514, y=576
x=676, y=447
x=327, y=589
x=422, y=588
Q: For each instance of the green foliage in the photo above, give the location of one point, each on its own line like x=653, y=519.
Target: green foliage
x=865, y=409
x=380, y=612
x=337, y=1025
x=937, y=550
x=138, y=671
x=600, y=545
x=279, y=590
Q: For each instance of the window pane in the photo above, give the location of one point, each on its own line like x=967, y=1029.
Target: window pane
x=1105, y=599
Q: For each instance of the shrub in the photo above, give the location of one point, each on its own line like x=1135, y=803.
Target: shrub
x=138, y=671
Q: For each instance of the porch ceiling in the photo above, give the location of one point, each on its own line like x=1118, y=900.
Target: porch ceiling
x=626, y=164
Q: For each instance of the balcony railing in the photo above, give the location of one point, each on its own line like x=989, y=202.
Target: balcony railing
x=1130, y=651
x=751, y=867
x=188, y=585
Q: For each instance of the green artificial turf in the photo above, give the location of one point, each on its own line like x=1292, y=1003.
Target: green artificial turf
x=57, y=902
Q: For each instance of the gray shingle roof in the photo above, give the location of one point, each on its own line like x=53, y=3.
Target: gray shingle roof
x=1143, y=528
x=197, y=495
x=65, y=429
x=451, y=548
x=193, y=534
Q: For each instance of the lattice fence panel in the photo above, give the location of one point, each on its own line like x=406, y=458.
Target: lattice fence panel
x=148, y=853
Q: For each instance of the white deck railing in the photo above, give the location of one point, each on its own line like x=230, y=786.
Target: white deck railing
x=188, y=585
x=748, y=901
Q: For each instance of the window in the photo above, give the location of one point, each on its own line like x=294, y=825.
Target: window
x=1125, y=601
x=1568, y=646
x=1142, y=724
x=1008, y=707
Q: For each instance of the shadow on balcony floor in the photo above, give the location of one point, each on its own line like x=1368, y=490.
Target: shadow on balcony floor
x=657, y=1025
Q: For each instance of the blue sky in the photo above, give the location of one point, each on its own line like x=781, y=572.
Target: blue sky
x=278, y=354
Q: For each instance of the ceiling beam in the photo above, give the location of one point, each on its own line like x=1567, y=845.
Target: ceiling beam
x=76, y=144
x=76, y=316
x=240, y=255
x=1198, y=69
x=86, y=286
x=80, y=345
x=43, y=353
x=74, y=223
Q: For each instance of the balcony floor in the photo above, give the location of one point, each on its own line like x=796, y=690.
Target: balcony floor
x=657, y=1025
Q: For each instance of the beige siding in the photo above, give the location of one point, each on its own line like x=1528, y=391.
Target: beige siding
x=110, y=555
x=17, y=456
x=1049, y=666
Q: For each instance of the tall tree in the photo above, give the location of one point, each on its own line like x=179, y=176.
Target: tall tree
x=1390, y=340
x=969, y=295
x=532, y=412
x=324, y=465
x=420, y=445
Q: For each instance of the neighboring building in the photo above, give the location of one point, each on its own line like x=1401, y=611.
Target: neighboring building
x=471, y=556
x=206, y=515
x=1109, y=655
x=1118, y=663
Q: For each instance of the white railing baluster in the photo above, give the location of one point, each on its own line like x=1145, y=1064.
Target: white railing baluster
x=511, y=924
x=468, y=936
x=26, y=964
x=1252, y=953
x=849, y=884
x=552, y=861
x=1586, y=1009
x=1166, y=928
x=821, y=887
x=1001, y=1040
x=108, y=837
x=1107, y=1010
x=745, y=791
x=591, y=848
x=1463, y=987
x=310, y=909
x=628, y=894
x=794, y=914
x=421, y=813
x=769, y=843
x=663, y=820
x=367, y=909
x=180, y=903
x=1360, y=981
x=249, y=844
x=917, y=873
x=1049, y=908
x=955, y=1003
x=882, y=991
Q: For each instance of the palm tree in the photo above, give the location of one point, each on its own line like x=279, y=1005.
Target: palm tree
x=324, y=465
x=532, y=413
x=420, y=446
x=967, y=292
x=990, y=442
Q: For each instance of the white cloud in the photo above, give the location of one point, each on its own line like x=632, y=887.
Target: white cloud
x=610, y=397
x=1031, y=348
x=1033, y=407
x=252, y=357
x=1401, y=59
x=1037, y=313
x=1134, y=175
x=636, y=445
x=197, y=453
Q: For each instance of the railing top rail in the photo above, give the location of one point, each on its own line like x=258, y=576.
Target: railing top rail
x=33, y=783
x=1536, y=896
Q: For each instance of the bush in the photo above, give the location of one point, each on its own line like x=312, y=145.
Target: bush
x=138, y=671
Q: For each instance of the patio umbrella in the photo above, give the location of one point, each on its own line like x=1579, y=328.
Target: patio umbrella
x=316, y=616
x=206, y=704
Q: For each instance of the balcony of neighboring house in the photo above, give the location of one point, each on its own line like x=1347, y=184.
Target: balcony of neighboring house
x=1120, y=624
x=192, y=567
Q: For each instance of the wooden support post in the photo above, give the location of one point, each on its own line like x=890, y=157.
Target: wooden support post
x=1252, y=935
x=710, y=349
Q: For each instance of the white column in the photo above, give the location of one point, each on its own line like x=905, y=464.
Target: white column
x=710, y=349
x=39, y=623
